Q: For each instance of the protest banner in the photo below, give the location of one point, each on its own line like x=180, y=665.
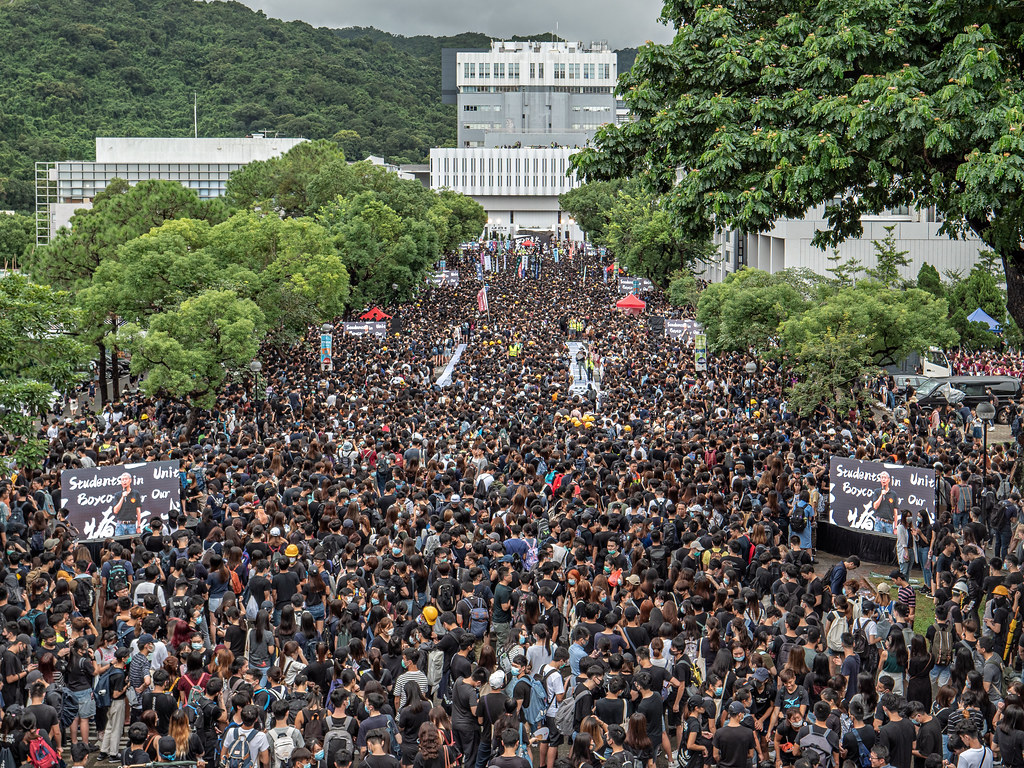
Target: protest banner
x=366, y=329
x=118, y=500
x=867, y=496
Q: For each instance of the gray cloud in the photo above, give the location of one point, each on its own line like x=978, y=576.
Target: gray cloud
x=622, y=23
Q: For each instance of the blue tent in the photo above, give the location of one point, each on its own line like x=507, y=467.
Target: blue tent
x=981, y=316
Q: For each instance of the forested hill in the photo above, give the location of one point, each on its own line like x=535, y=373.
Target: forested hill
x=72, y=70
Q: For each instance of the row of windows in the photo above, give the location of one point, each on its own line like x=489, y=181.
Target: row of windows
x=480, y=126
x=586, y=126
x=204, y=188
x=561, y=71
x=503, y=182
x=138, y=176
x=591, y=108
x=540, y=165
x=109, y=169
x=481, y=108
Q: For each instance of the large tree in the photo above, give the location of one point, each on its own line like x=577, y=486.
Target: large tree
x=762, y=109
x=38, y=355
x=188, y=352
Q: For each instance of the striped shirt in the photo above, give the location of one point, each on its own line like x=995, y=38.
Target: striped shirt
x=410, y=676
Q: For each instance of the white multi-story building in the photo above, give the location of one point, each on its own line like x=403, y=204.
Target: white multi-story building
x=200, y=164
x=788, y=245
x=518, y=187
x=533, y=93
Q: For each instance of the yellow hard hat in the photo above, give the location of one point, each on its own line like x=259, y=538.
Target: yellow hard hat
x=430, y=614
x=291, y=551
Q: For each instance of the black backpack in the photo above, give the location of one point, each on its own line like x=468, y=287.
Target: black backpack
x=445, y=595
x=117, y=573
x=797, y=521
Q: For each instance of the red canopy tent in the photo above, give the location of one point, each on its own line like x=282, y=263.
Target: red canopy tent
x=631, y=305
x=376, y=315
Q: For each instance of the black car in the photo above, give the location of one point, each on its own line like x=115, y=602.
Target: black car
x=975, y=389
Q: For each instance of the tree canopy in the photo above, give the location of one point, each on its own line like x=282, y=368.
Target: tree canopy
x=635, y=224
x=38, y=354
x=760, y=110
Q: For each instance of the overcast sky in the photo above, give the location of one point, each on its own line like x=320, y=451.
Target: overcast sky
x=624, y=24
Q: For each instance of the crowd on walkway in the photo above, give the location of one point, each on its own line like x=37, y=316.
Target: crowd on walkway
x=370, y=570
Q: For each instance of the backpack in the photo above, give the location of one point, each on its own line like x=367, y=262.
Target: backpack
x=435, y=667
x=313, y=725
x=65, y=704
x=85, y=595
x=478, y=616
x=41, y=754
x=819, y=743
x=532, y=556
x=533, y=713
x=282, y=744
x=236, y=583
x=196, y=720
x=965, y=500
x=836, y=630
x=239, y=754
x=339, y=741
x=565, y=716
x=102, y=689
x=798, y=519
x=862, y=647
x=863, y=753
x=117, y=573
x=942, y=646
x=195, y=693
x=788, y=646
x=445, y=595
x=396, y=745
x=272, y=696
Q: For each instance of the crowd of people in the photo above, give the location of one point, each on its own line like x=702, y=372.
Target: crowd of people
x=367, y=569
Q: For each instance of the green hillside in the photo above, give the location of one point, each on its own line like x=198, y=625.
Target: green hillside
x=72, y=70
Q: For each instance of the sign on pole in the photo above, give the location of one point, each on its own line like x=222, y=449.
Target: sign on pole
x=700, y=352
x=326, y=352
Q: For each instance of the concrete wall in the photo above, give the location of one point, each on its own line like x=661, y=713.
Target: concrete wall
x=189, y=150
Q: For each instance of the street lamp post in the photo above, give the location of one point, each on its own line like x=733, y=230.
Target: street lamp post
x=986, y=412
x=256, y=366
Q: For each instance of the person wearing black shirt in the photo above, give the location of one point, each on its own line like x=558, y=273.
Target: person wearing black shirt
x=160, y=701
x=285, y=585
x=79, y=679
x=651, y=706
x=117, y=684
x=929, y=734
x=734, y=743
x=13, y=670
x=898, y=734
x=464, y=719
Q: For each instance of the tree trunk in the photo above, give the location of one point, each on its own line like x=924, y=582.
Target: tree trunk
x=103, y=373
x=115, y=379
x=1013, y=266
x=193, y=419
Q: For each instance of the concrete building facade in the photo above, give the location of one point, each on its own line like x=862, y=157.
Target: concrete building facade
x=203, y=165
x=518, y=187
x=534, y=93
x=788, y=245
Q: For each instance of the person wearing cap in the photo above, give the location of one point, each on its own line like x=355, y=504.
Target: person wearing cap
x=997, y=616
x=489, y=709
x=734, y=743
